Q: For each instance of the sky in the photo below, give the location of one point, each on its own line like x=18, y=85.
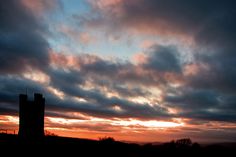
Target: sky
x=135, y=70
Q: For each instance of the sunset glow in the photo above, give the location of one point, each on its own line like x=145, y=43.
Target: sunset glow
x=122, y=123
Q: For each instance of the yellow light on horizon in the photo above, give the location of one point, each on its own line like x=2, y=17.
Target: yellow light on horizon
x=119, y=122
x=149, y=124
x=9, y=119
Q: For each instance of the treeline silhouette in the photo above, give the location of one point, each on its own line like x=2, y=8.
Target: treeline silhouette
x=108, y=146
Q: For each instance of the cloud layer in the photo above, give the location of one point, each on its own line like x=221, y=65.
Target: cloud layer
x=22, y=44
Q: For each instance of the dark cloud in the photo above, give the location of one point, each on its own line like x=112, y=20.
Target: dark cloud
x=138, y=111
x=210, y=23
x=102, y=67
x=6, y=109
x=67, y=115
x=97, y=103
x=67, y=77
x=159, y=60
x=210, y=115
x=219, y=75
x=10, y=89
x=129, y=92
x=203, y=104
x=206, y=20
x=163, y=59
x=11, y=86
x=22, y=44
x=210, y=94
x=194, y=99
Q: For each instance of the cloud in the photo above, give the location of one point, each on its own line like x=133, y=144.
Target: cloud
x=126, y=91
x=22, y=44
x=202, y=104
x=98, y=103
x=163, y=59
x=186, y=16
x=206, y=88
x=161, y=67
x=219, y=74
x=76, y=35
x=39, y=7
x=69, y=77
x=191, y=99
x=211, y=25
x=11, y=87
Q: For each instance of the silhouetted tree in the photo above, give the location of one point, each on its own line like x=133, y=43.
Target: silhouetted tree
x=48, y=133
x=184, y=142
x=107, y=140
x=195, y=145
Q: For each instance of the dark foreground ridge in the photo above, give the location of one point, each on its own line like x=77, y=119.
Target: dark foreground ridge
x=64, y=146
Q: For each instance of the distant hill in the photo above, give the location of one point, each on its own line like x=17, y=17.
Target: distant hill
x=64, y=146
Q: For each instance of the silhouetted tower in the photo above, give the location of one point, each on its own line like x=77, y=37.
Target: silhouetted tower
x=31, y=117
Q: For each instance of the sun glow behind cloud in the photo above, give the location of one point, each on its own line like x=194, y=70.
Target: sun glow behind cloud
x=9, y=119
x=149, y=124
x=99, y=126
x=94, y=120
x=94, y=127
x=55, y=91
x=37, y=76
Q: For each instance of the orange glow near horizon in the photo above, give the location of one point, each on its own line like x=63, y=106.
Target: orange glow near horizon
x=122, y=129
x=120, y=122
x=9, y=119
x=93, y=127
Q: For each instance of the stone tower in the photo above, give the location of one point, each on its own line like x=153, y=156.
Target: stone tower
x=31, y=117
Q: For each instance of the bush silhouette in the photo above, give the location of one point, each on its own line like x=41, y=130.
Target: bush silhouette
x=48, y=133
x=185, y=142
x=107, y=140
